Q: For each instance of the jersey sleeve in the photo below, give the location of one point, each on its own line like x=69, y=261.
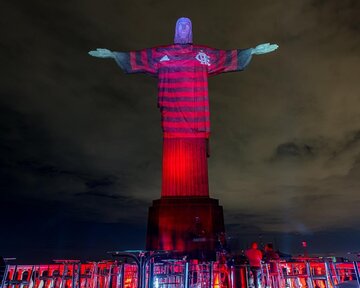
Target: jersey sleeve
x=141, y=61
x=222, y=61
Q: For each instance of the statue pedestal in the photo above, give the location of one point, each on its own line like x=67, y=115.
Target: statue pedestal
x=189, y=225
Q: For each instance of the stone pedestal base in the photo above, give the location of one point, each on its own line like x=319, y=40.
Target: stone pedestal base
x=190, y=225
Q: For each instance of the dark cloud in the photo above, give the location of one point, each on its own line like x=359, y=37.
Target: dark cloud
x=291, y=149
x=97, y=194
x=311, y=148
x=104, y=182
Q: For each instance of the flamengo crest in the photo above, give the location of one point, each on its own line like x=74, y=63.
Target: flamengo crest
x=165, y=58
x=203, y=58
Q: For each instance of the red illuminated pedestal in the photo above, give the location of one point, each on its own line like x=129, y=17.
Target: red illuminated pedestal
x=185, y=224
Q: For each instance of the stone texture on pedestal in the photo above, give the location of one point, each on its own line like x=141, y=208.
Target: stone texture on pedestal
x=185, y=224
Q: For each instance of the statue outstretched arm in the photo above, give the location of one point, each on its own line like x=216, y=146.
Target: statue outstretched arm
x=264, y=48
x=119, y=57
x=102, y=53
x=130, y=62
x=236, y=59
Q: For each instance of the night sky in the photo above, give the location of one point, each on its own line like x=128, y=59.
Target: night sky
x=80, y=141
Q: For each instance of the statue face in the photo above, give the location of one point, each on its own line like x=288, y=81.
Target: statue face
x=183, y=31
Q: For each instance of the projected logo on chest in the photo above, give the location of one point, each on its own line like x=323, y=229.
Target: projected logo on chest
x=203, y=58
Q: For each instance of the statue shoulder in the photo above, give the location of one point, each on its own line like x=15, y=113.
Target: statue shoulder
x=162, y=48
x=203, y=48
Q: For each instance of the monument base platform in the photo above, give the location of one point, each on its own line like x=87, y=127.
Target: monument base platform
x=190, y=225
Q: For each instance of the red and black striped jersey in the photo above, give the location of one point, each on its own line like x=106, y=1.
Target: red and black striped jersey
x=182, y=72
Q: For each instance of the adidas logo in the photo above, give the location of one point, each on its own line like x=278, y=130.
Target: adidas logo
x=164, y=58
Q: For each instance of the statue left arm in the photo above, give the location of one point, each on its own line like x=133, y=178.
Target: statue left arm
x=264, y=48
x=221, y=61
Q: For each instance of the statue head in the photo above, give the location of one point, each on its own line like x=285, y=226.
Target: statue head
x=183, y=31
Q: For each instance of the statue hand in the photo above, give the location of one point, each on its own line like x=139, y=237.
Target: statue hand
x=101, y=53
x=264, y=48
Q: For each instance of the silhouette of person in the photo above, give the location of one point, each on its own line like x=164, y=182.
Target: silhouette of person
x=254, y=256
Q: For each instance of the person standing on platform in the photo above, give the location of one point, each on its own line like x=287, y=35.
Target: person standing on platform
x=271, y=257
x=254, y=255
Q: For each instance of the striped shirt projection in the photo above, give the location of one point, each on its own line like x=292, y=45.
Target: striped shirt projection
x=182, y=72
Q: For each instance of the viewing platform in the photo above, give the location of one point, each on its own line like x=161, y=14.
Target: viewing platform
x=146, y=269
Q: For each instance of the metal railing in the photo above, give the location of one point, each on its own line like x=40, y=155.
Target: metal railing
x=160, y=270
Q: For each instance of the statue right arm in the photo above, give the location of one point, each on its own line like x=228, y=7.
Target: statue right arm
x=119, y=57
x=130, y=62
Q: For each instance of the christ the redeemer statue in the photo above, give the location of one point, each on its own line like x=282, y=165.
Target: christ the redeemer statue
x=182, y=70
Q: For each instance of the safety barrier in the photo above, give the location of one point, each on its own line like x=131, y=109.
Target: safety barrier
x=160, y=270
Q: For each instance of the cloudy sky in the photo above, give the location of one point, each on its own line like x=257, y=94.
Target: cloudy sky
x=80, y=142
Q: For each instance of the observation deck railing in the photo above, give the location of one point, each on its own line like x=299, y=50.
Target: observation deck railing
x=160, y=270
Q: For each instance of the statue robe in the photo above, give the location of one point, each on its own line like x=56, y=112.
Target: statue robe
x=182, y=71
